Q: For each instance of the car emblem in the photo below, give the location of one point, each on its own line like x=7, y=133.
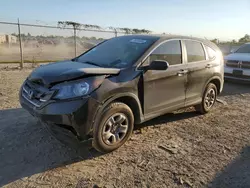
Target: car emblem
x=31, y=94
x=239, y=64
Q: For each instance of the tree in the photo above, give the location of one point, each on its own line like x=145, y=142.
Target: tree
x=75, y=26
x=14, y=34
x=145, y=31
x=126, y=30
x=216, y=41
x=233, y=41
x=93, y=38
x=246, y=38
x=134, y=31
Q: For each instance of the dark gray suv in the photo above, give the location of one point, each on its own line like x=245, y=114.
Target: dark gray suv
x=100, y=95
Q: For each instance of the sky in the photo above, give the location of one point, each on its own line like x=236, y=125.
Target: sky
x=223, y=19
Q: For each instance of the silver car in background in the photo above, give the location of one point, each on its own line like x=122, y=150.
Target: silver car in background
x=237, y=64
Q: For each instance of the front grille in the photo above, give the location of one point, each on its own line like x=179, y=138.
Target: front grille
x=26, y=94
x=246, y=64
x=232, y=64
x=36, y=94
x=238, y=64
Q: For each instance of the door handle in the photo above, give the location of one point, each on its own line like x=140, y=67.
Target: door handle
x=208, y=66
x=182, y=72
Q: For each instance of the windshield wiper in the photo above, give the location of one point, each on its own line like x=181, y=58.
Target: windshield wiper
x=88, y=62
x=91, y=63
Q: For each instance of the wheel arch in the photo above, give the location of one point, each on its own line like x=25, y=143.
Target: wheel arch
x=217, y=81
x=129, y=99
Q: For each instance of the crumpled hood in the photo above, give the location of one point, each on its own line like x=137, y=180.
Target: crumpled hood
x=238, y=57
x=67, y=70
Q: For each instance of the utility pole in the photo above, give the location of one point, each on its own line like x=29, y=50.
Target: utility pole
x=20, y=42
x=75, y=38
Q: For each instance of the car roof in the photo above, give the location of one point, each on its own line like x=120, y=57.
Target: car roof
x=169, y=37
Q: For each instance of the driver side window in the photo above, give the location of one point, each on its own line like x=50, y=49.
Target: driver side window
x=169, y=51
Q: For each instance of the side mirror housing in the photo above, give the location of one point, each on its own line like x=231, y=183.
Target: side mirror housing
x=232, y=51
x=158, y=65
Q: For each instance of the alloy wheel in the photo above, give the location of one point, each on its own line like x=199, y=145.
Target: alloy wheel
x=115, y=129
x=210, y=98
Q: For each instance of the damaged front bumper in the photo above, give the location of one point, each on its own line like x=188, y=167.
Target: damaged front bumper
x=67, y=120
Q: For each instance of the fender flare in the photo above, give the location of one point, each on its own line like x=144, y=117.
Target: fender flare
x=214, y=78
x=106, y=102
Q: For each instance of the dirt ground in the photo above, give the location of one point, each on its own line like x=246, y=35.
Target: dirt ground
x=182, y=149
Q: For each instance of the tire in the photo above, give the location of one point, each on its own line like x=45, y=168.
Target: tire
x=210, y=90
x=114, y=127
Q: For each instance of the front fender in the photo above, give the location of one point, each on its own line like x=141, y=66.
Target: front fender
x=128, y=98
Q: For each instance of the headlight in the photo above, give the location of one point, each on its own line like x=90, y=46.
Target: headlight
x=78, y=88
x=72, y=90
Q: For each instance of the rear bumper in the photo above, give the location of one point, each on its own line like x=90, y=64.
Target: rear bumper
x=70, y=119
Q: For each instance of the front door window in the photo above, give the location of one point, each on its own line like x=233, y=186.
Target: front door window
x=169, y=51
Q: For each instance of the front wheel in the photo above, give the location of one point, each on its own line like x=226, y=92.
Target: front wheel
x=208, y=99
x=114, y=127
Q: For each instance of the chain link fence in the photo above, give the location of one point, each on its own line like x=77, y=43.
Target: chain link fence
x=36, y=43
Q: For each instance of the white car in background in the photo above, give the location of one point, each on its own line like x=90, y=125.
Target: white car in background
x=237, y=64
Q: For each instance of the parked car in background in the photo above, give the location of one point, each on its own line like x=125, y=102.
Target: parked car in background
x=237, y=64
x=99, y=95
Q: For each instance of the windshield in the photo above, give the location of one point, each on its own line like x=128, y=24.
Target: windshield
x=119, y=52
x=244, y=49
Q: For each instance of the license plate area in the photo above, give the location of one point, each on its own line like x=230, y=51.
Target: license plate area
x=237, y=72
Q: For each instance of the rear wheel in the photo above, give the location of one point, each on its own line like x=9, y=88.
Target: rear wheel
x=114, y=127
x=208, y=99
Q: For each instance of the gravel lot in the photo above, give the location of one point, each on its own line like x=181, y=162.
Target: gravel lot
x=182, y=149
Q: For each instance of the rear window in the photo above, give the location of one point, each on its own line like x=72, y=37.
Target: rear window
x=195, y=51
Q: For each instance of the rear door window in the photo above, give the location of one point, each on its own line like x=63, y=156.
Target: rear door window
x=195, y=51
x=169, y=51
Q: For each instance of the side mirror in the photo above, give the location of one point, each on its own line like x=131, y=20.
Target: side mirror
x=158, y=65
x=232, y=51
